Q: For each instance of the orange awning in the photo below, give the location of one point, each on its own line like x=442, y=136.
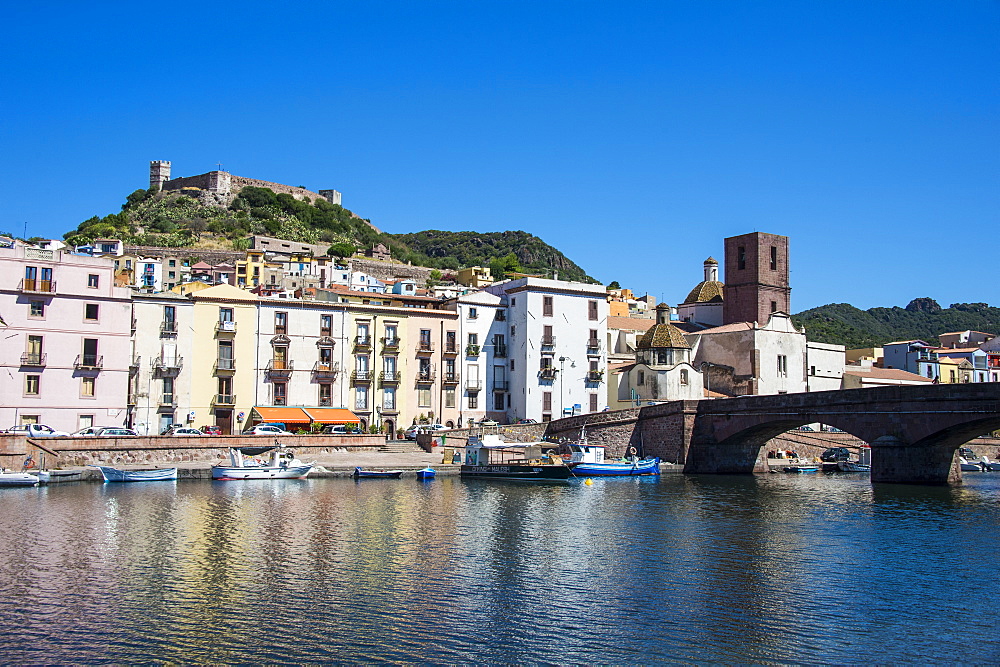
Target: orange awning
x=280, y=415
x=332, y=415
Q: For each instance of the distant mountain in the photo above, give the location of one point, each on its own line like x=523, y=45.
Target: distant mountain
x=181, y=219
x=922, y=319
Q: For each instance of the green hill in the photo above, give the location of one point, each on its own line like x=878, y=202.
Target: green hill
x=922, y=319
x=181, y=220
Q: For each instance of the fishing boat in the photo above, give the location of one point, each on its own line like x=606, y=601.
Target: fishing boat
x=801, y=468
x=426, y=473
x=9, y=478
x=250, y=463
x=590, y=462
x=360, y=473
x=115, y=475
x=487, y=455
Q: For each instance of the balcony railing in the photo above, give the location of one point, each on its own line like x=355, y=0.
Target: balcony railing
x=501, y=385
x=362, y=376
x=225, y=365
x=472, y=350
x=168, y=328
x=226, y=327
x=327, y=369
x=390, y=376
x=279, y=367
x=224, y=399
x=426, y=376
x=473, y=384
x=450, y=348
x=88, y=362
x=595, y=376
x=32, y=359
x=390, y=343
x=35, y=286
x=548, y=373
x=165, y=366
x=548, y=341
x=362, y=341
x=325, y=401
x=425, y=346
x=593, y=346
x=499, y=350
x=450, y=378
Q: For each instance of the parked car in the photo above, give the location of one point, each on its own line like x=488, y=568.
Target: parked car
x=411, y=433
x=342, y=429
x=36, y=431
x=835, y=454
x=88, y=432
x=526, y=420
x=113, y=432
x=185, y=431
x=266, y=429
x=211, y=430
x=805, y=428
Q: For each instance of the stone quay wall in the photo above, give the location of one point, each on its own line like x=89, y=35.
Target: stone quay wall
x=166, y=449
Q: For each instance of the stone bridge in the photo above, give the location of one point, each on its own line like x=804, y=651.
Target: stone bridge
x=914, y=431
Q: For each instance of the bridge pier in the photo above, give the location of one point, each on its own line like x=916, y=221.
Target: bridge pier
x=898, y=462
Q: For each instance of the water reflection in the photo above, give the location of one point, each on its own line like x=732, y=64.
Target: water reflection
x=771, y=568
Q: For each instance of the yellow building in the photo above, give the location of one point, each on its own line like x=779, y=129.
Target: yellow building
x=474, y=276
x=873, y=354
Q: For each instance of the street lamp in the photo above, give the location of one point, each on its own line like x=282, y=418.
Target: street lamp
x=562, y=365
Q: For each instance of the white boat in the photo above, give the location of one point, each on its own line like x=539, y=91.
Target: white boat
x=248, y=463
x=115, y=475
x=590, y=462
x=8, y=478
x=863, y=464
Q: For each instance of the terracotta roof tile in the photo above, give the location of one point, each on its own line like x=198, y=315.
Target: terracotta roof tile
x=630, y=323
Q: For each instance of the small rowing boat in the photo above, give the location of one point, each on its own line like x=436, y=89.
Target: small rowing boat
x=115, y=475
x=360, y=473
x=426, y=473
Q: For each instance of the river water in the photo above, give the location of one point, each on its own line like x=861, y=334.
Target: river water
x=689, y=569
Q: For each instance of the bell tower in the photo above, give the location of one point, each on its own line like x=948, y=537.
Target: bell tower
x=756, y=278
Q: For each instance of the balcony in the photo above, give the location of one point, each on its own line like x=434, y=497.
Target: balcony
x=548, y=341
x=450, y=348
x=224, y=400
x=168, y=328
x=450, y=378
x=326, y=370
x=225, y=328
x=472, y=350
x=425, y=346
x=279, y=367
x=33, y=359
x=473, y=384
x=362, y=376
x=594, y=347
x=390, y=377
x=548, y=373
x=500, y=350
x=225, y=366
x=362, y=341
x=501, y=385
x=500, y=316
x=325, y=401
x=595, y=376
x=426, y=375
x=390, y=344
x=88, y=362
x=35, y=286
x=168, y=401
x=163, y=366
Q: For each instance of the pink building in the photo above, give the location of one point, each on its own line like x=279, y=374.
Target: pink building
x=65, y=329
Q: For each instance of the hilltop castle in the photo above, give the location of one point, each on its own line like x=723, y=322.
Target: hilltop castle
x=221, y=187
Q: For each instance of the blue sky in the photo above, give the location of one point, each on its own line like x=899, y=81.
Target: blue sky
x=632, y=136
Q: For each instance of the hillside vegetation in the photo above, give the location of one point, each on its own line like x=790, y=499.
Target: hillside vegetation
x=922, y=319
x=180, y=220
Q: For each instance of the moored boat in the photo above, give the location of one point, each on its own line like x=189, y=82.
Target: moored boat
x=247, y=463
x=426, y=473
x=488, y=456
x=801, y=468
x=360, y=473
x=8, y=478
x=590, y=462
x=862, y=464
x=115, y=475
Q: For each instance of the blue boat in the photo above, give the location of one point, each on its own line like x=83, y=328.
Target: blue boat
x=801, y=468
x=376, y=474
x=426, y=473
x=588, y=461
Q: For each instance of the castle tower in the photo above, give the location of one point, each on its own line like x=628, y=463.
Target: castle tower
x=159, y=173
x=331, y=196
x=756, y=278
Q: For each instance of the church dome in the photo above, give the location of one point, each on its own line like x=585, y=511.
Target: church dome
x=662, y=335
x=706, y=291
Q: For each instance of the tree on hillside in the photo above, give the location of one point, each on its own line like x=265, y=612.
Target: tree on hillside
x=614, y=285
x=504, y=265
x=341, y=250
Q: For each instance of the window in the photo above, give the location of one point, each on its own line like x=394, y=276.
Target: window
x=170, y=318
x=325, y=325
x=545, y=363
x=641, y=380
x=93, y=280
x=325, y=358
x=774, y=306
x=225, y=355
x=31, y=383
x=473, y=339
x=89, y=351
x=547, y=306
x=774, y=258
x=498, y=401
x=281, y=323
x=592, y=310
x=326, y=394
x=684, y=376
x=450, y=341
x=226, y=391
x=812, y=370
x=425, y=339
x=473, y=314
x=168, y=391
x=593, y=402
x=513, y=302
x=171, y=274
x=34, y=351
x=225, y=314
x=87, y=386
x=172, y=262
x=513, y=330
x=37, y=309
x=86, y=421
x=547, y=337
x=473, y=401
x=424, y=397
x=546, y=401
x=90, y=311
x=389, y=398
x=511, y=365
x=741, y=258
x=449, y=397
x=782, y=366
x=280, y=360
x=280, y=393
x=361, y=398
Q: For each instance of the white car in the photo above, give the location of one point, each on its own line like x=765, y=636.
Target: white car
x=185, y=431
x=267, y=429
x=36, y=431
x=104, y=432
